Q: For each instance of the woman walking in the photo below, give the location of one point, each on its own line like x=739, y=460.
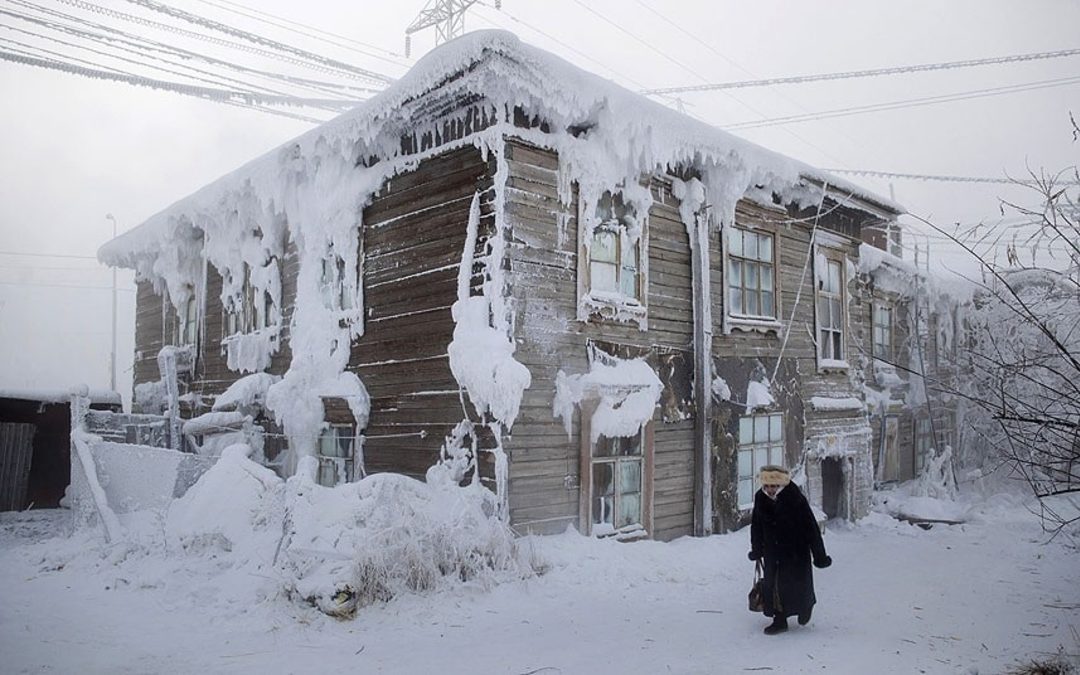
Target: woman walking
x=784, y=532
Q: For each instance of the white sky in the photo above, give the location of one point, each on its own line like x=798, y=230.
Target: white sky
x=76, y=149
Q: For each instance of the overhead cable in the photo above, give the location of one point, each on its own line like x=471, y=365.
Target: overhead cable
x=905, y=103
x=258, y=39
x=195, y=35
x=896, y=70
x=240, y=98
x=281, y=22
x=944, y=179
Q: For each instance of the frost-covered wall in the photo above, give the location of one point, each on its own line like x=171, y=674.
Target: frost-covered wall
x=310, y=197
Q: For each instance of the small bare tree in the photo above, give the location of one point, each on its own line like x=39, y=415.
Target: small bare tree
x=1023, y=343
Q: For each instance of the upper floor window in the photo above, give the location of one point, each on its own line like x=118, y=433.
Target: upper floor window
x=612, y=270
x=254, y=311
x=882, y=331
x=337, y=293
x=187, y=321
x=830, y=310
x=751, y=274
x=761, y=443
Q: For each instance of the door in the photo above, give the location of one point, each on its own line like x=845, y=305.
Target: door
x=832, y=487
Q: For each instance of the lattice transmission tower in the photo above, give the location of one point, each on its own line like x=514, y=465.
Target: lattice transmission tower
x=448, y=17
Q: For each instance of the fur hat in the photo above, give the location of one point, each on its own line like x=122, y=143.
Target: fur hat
x=774, y=475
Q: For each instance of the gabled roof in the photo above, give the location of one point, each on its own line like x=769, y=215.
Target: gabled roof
x=627, y=134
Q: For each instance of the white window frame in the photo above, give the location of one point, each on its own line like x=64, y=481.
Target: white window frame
x=341, y=465
x=835, y=334
x=882, y=348
x=738, y=259
x=749, y=449
x=611, y=216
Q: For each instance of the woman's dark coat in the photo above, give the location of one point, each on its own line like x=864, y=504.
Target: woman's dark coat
x=786, y=533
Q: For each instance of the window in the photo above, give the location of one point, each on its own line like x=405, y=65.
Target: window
x=882, y=332
x=751, y=274
x=336, y=456
x=337, y=295
x=612, y=263
x=617, y=481
x=830, y=310
x=924, y=440
x=187, y=326
x=254, y=312
x=761, y=442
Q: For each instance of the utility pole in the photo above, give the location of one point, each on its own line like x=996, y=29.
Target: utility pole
x=448, y=17
x=112, y=352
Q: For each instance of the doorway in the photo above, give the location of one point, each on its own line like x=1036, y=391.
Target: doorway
x=832, y=487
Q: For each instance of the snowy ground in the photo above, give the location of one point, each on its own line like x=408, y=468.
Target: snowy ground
x=974, y=598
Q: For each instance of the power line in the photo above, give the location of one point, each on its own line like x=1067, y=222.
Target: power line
x=260, y=40
x=733, y=97
x=194, y=35
x=139, y=44
x=78, y=287
x=239, y=98
x=278, y=21
x=798, y=79
x=906, y=103
x=945, y=179
x=49, y=255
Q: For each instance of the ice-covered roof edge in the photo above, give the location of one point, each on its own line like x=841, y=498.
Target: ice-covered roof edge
x=527, y=76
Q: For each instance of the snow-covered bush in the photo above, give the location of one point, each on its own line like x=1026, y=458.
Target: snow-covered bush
x=348, y=546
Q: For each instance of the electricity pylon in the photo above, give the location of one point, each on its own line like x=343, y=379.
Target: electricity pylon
x=448, y=17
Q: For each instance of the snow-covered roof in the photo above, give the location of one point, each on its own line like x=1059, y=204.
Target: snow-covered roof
x=99, y=396
x=635, y=132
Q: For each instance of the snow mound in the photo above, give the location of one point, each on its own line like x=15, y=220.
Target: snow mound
x=365, y=542
x=351, y=545
x=235, y=507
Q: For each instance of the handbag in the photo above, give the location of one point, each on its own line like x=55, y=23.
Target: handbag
x=756, y=597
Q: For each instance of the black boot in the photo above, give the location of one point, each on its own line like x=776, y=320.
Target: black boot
x=804, y=617
x=778, y=625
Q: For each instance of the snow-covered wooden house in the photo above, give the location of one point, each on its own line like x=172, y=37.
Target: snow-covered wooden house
x=505, y=267
x=910, y=355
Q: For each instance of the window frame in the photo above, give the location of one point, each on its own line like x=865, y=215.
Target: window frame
x=839, y=334
x=342, y=465
x=886, y=330
x=769, y=445
x=922, y=443
x=604, y=304
x=738, y=232
x=254, y=312
x=589, y=460
x=342, y=301
x=187, y=321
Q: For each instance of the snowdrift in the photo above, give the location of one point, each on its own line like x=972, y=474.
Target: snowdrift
x=345, y=547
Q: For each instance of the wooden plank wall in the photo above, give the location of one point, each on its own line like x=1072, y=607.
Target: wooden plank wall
x=544, y=491
x=16, y=454
x=414, y=236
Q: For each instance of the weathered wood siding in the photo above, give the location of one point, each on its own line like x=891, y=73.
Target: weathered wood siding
x=543, y=251
x=414, y=235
